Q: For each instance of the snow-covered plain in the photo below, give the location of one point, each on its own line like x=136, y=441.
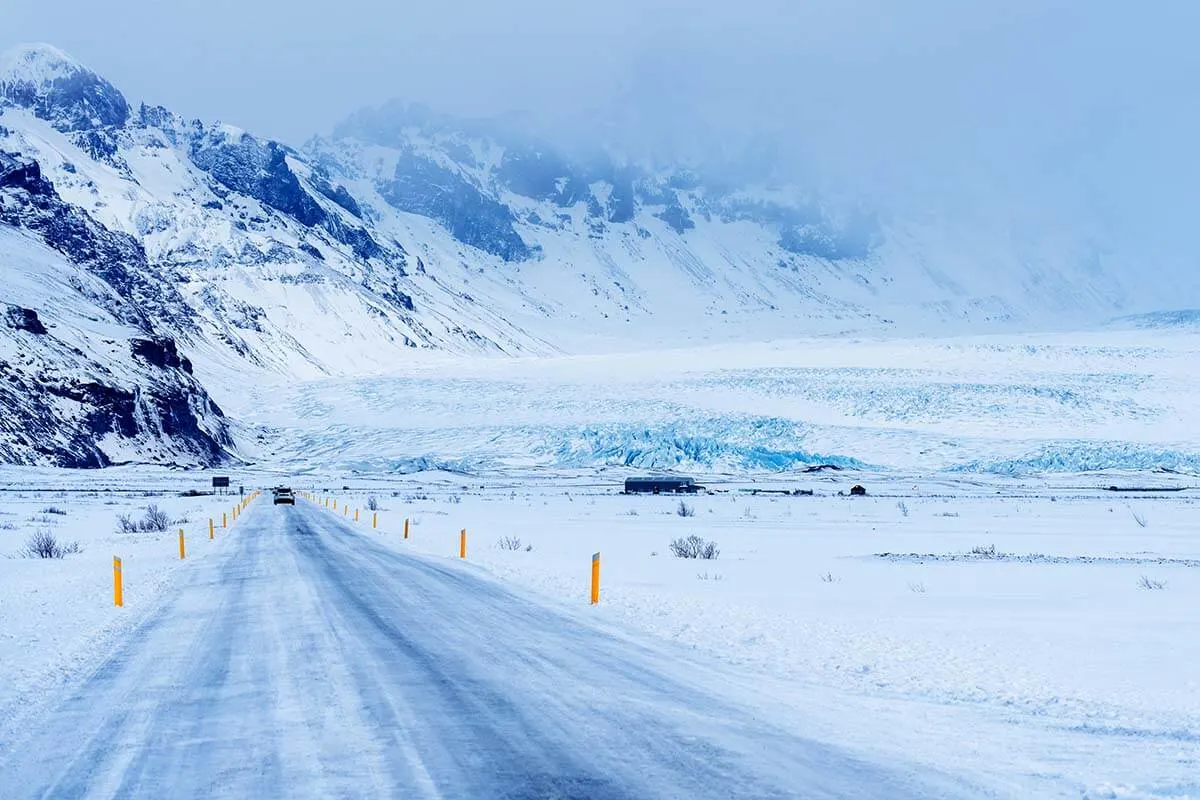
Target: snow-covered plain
x=1031, y=677
x=57, y=615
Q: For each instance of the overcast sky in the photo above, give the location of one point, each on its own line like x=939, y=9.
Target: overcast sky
x=1093, y=101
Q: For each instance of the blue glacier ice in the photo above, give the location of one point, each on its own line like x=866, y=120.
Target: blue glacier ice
x=1082, y=456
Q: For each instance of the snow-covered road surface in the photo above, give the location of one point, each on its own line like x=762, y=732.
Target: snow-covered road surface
x=309, y=661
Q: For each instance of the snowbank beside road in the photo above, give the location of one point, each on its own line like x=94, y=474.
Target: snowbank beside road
x=57, y=616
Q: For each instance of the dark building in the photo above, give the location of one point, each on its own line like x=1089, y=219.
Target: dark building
x=661, y=486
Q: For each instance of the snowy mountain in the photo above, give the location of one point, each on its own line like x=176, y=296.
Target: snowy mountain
x=406, y=231
x=683, y=249
x=88, y=376
x=232, y=249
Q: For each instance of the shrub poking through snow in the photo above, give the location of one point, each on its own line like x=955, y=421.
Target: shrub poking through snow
x=704, y=576
x=1140, y=519
x=694, y=547
x=43, y=544
x=372, y=503
x=684, y=510
x=1146, y=582
x=903, y=506
x=828, y=578
x=54, y=510
x=917, y=587
x=509, y=543
x=985, y=551
x=155, y=521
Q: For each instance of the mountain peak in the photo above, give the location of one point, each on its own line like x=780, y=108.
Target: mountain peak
x=37, y=64
x=59, y=89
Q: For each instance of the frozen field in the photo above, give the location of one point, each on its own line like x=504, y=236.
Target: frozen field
x=1048, y=663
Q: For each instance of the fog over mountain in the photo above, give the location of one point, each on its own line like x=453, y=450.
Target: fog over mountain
x=1053, y=111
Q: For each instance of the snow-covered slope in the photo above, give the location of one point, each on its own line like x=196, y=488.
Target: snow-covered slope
x=277, y=263
x=87, y=378
x=669, y=250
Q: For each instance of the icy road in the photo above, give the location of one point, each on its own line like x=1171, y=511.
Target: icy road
x=307, y=660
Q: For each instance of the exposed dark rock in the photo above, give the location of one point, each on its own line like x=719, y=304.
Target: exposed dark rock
x=400, y=298
x=157, y=117
x=622, y=206
x=312, y=251
x=166, y=413
x=116, y=258
x=256, y=169
x=22, y=173
x=24, y=319
x=677, y=217
x=338, y=194
x=361, y=242
x=420, y=186
x=160, y=352
x=537, y=171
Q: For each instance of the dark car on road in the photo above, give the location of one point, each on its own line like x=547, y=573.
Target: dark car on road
x=284, y=495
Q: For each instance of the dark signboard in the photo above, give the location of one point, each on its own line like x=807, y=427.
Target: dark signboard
x=220, y=482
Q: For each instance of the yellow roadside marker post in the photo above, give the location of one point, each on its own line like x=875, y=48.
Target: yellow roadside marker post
x=212, y=534
x=118, y=587
x=595, y=578
x=462, y=543
x=406, y=529
x=182, y=552
x=374, y=520
x=224, y=520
